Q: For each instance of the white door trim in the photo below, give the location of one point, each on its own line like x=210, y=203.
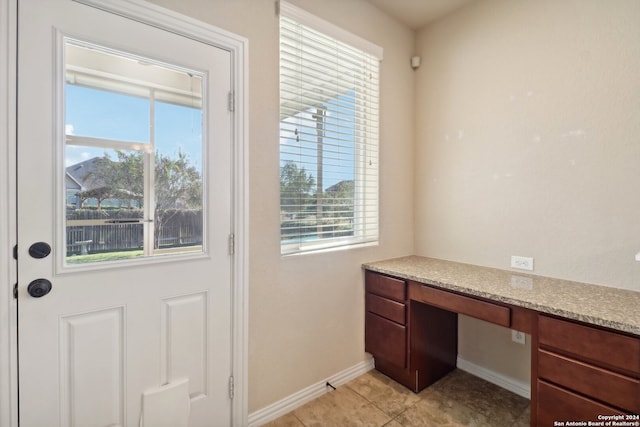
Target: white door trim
x=8, y=276
x=180, y=24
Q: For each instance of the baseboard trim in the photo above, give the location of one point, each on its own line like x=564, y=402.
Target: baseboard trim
x=518, y=387
x=289, y=403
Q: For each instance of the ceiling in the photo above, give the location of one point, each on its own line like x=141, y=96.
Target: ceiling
x=418, y=13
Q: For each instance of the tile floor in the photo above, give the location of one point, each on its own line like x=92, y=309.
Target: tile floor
x=372, y=399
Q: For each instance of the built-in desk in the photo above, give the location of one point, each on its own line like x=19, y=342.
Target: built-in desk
x=585, y=338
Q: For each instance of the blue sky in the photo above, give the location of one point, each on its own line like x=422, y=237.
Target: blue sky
x=339, y=163
x=102, y=114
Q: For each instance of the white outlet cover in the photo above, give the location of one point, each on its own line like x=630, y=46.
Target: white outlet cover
x=522, y=262
x=518, y=337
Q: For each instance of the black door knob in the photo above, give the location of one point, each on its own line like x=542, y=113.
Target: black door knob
x=39, y=250
x=39, y=288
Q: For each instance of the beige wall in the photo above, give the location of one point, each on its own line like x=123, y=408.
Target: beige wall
x=306, y=316
x=528, y=143
x=526, y=119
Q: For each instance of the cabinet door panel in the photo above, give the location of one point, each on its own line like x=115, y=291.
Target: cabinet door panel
x=608, y=349
x=618, y=390
x=494, y=313
x=386, y=339
x=386, y=286
x=384, y=307
x=558, y=404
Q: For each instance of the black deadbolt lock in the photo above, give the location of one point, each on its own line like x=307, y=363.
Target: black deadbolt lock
x=39, y=250
x=39, y=288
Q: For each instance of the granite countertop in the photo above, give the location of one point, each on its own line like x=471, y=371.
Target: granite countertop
x=599, y=305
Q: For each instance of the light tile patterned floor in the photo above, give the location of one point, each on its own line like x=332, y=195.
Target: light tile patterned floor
x=372, y=399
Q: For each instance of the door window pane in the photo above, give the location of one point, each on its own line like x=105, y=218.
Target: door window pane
x=178, y=177
x=133, y=156
x=106, y=114
x=105, y=206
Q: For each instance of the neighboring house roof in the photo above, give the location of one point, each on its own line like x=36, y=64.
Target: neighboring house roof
x=84, y=173
x=346, y=185
x=70, y=183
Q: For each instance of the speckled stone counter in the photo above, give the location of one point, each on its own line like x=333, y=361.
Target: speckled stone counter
x=613, y=308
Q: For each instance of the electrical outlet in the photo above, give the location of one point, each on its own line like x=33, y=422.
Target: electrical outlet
x=517, y=336
x=522, y=262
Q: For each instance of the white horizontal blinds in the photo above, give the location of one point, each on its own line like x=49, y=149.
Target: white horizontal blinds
x=328, y=138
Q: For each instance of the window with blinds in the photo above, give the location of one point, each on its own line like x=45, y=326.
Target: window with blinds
x=328, y=135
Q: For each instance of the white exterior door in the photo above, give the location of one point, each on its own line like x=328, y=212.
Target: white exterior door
x=140, y=299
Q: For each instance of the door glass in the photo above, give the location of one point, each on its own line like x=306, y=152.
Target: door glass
x=122, y=117
x=133, y=156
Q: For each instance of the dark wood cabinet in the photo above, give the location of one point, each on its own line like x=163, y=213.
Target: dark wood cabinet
x=474, y=307
x=557, y=404
x=433, y=344
x=414, y=344
x=579, y=371
x=386, y=340
x=582, y=371
x=386, y=324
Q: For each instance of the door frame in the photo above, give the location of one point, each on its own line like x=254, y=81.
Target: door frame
x=146, y=13
x=8, y=233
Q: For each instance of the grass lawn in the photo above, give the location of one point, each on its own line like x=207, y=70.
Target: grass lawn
x=105, y=256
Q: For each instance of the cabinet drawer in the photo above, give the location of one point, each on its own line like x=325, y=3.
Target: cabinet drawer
x=385, y=286
x=558, y=404
x=605, y=348
x=493, y=313
x=386, y=339
x=384, y=307
x=615, y=389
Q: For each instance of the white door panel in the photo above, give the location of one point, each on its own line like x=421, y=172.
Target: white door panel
x=109, y=331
